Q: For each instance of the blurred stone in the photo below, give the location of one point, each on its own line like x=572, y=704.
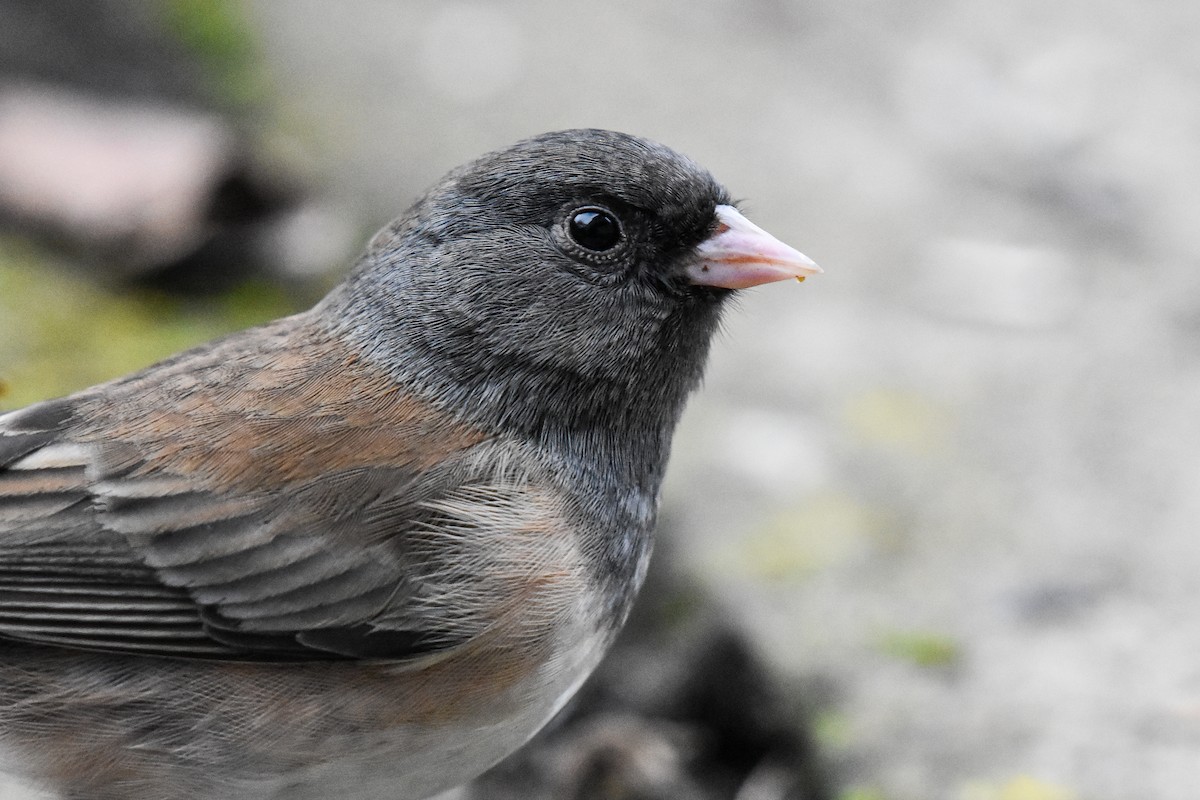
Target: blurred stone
x=133, y=180
x=155, y=193
x=131, y=141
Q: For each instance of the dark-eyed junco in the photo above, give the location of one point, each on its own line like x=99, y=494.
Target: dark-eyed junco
x=368, y=550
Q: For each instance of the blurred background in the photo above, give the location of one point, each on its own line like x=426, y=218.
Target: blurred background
x=932, y=523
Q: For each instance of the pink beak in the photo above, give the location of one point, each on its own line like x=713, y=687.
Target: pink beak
x=741, y=254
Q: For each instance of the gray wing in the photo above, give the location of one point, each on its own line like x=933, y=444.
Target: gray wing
x=239, y=533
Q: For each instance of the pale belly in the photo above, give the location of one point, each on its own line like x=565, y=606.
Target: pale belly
x=300, y=732
x=411, y=763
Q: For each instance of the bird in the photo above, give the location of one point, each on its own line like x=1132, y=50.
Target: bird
x=368, y=550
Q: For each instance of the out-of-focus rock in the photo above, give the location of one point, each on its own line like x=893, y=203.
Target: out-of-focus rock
x=133, y=139
x=123, y=178
x=154, y=192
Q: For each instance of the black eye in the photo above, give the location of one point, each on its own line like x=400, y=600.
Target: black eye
x=595, y=229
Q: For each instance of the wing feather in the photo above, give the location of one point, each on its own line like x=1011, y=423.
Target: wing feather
x=220, y=522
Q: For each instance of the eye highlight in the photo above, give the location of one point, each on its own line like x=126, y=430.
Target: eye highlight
x=594, y=228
